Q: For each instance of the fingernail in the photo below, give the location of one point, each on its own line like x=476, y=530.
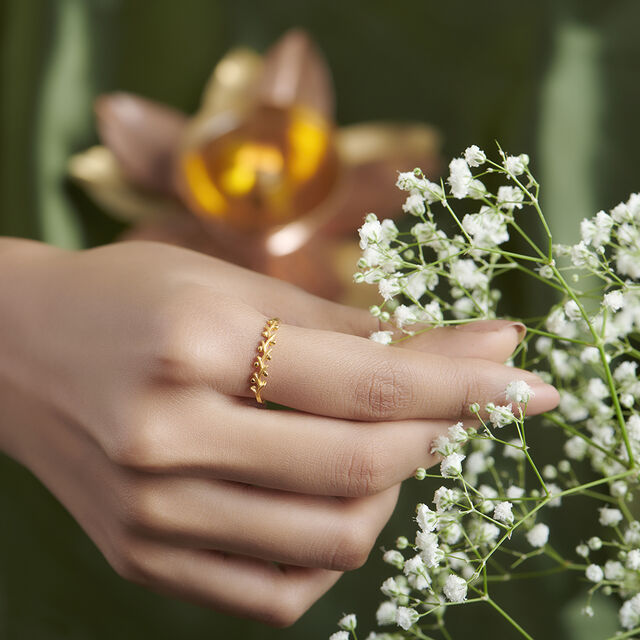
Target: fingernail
x=488, y=326
x=545, y=397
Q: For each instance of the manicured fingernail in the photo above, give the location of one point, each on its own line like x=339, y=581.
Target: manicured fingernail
x=488, y=326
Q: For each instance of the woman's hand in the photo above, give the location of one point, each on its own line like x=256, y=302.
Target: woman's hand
x=124, y=382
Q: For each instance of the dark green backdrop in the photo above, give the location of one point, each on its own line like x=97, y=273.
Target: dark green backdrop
x=558, y=79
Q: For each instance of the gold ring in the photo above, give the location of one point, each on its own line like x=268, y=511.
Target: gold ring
x=261, y=362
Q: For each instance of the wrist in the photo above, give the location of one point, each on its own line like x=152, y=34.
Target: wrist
x=20, y=298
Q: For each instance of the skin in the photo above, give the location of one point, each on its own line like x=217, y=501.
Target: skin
x=124, y=385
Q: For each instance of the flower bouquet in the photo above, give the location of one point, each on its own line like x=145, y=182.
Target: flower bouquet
x=487, y=521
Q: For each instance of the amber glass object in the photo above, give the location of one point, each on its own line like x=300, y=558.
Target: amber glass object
x=267, y=170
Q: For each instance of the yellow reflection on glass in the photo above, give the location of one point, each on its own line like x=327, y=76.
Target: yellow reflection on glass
x=308, y=140
x=200, y=185
x=272, y=168
x=246, y=163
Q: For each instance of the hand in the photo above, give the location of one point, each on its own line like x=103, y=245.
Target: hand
x=124, y=384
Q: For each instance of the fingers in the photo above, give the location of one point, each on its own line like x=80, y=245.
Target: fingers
x=485, y=339
x=334, y=374
x=291, y=528
x=489, y=339
x=229, y=439
x=246, y=587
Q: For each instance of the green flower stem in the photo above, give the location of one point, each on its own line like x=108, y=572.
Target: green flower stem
x=520, y=427
x=535, y=574
x=537, y=276
x=572, y=430
x=541, y=332
x=536, y=206
x=529, y=241
x=507, y=617
x=607, y=370
x=626, y=634
x=625, y=509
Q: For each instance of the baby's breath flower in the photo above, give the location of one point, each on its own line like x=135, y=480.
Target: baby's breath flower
x=391, y=589
x=564, y=466
x=519, y=391
x=632, y=561
x=386, y=613
x=594, y=543
x=406, y=617
x=514, y=449
x=613, y=570
x=485, y=533
x=610, y=517
x=394, y=558
x=516, y=165
x=576, y=448
x=426, y=518
x=474, y=156
x=455, y=588
x=457, y=433
x=382, y=337
x=546, y=271
x=408, y=181
x=402, y=542
x=444, y=499
x=339, y=635
x=414, y=204
x=404, y=315
x=515, y=493
x=451, y=466
x=348, y=622
x=503, y=513
x=613, y=301
x=538, y=535
x=431, y=553
x=459, y=178
x=629, y=613
x=510, y=198
x=500, y=416
x=389, y=287
x=415, y=571
x=597, y=230
x=572, y=310
x=444, y=277
x=594, y=573
x=619, y=488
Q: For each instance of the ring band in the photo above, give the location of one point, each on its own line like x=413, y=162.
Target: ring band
x=261, y=362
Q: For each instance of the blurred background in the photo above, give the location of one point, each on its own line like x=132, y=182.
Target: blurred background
x=557, y=79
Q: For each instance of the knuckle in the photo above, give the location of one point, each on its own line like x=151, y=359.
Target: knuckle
x=140, y=508
x=130, y=564
x=144, y=444
x=283, y=612
x=363, y=467
x=351, y=547
x=384, y=391
x=174, y=357
x=472, y=388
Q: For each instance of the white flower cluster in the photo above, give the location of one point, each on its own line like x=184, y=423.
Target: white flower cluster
x=441, y=271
